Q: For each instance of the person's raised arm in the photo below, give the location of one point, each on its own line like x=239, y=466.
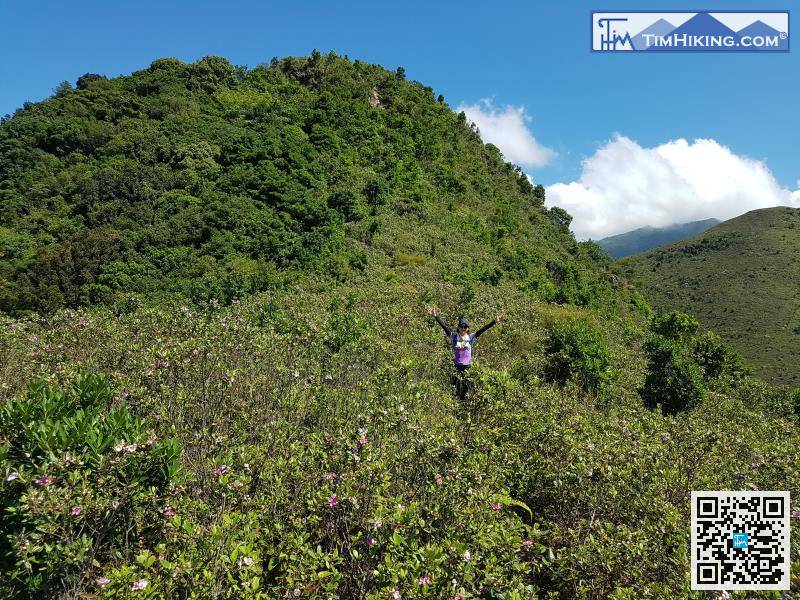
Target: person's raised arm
x=489, y=325
x=432, y=312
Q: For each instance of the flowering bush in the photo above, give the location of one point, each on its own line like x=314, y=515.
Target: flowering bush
x=80, y=477
x=317, y=470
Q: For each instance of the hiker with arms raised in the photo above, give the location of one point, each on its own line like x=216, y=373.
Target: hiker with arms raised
x=461, y=343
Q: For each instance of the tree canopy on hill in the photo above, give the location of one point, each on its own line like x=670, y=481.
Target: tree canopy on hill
x=211, y=180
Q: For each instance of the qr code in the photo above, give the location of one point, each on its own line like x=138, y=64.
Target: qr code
x=740, y=540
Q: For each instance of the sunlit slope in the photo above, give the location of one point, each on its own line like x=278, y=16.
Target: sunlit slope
x=742, y=279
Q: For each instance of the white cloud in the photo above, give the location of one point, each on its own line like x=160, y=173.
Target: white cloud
x=624, y=186
x=507, y=128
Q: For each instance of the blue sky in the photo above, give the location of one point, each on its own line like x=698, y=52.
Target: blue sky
x=527, y=56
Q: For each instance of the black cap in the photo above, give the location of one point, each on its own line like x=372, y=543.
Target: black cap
x=463, y=322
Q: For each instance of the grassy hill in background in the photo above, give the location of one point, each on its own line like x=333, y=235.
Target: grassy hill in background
x=739, y=278
x=645, y=238
x=218, y=377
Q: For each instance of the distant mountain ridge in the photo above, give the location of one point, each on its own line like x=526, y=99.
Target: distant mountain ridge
x=740, y=278
x=645, y=238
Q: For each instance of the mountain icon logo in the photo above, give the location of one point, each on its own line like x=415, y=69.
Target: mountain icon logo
x=681, y=31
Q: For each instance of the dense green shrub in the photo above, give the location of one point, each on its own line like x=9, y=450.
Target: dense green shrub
x=345, y=327
x=356, y=473
x=540, y=287
x=716, y=360
x=576, y=352
x=575, y=284
x=674, y=382
x=675, y=325
x=79, y=478
x=772, y=400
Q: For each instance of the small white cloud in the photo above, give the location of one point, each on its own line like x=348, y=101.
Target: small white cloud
x=624, y=186
x=507, y=128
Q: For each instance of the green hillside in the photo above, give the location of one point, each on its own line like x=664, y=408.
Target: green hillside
x=218, y=377
x=645, y=238
x=739, y=278
x=210, y=181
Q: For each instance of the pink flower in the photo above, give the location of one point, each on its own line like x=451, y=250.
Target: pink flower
x=395, y=595
x=362, y=441
x=370, y=541
x=333, y=500
x=44, y=480
x=424, y=580
x=796, y=514
x=119, y=447
x=330, y=476
x=151, y=440
x=139, y=585
x=458, y=597
x=196, y=352
x=76, y=510
x=328, y=439
x=527, y=543
x=102, y=581
x=496, y=506
x=131, y=448
x=12, y=476
x=169, y=511
x=247, y=561
x=220, y=470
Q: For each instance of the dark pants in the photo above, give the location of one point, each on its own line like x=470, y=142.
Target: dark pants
x=460, y=381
